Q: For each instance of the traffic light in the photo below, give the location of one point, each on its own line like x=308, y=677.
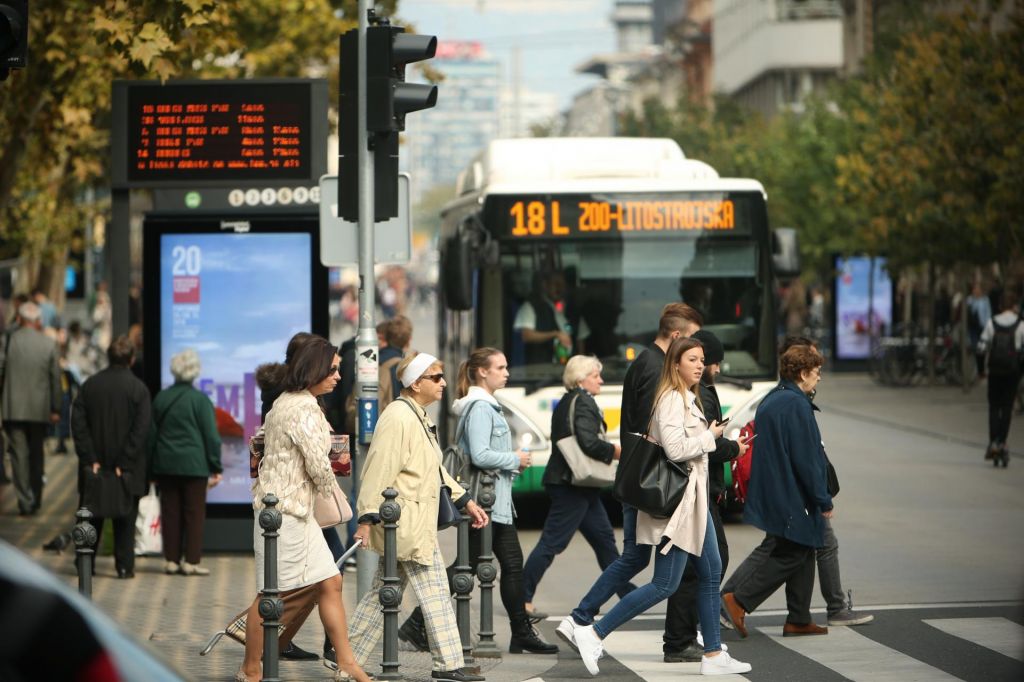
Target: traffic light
x=13, y=36
x=389, y=98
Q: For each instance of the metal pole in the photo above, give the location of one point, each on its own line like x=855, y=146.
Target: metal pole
x=391, y=591
x=84, y=535
x=366, y=340
x=462, y=582
x=117, y=262
x=486, y=572
x=271, y=607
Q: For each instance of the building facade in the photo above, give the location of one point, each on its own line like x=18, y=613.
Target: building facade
x=770, y=54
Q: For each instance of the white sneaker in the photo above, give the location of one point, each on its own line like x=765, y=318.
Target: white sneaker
x=567, y=631
x=722, y=664
x=193, y=569
x=589, y=646
x=700, y=641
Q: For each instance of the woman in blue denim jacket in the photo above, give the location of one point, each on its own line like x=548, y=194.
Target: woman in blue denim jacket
x=484, y=434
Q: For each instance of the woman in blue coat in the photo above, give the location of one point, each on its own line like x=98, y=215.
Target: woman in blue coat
x=787, y=497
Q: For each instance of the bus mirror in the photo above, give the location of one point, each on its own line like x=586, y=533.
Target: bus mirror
x=785, y=253
x=458, y=271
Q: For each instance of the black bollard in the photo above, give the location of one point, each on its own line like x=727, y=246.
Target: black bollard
x=485, y=570
x=84, y=535
x=462, y=583
x=390, y=594
x=271, y=607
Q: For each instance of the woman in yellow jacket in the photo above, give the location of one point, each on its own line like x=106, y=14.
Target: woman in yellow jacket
x=405, y=455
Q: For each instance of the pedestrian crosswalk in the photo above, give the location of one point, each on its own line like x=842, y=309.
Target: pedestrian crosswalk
x=980, y=642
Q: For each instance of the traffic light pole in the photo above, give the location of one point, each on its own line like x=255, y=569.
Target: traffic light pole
x=366, y=341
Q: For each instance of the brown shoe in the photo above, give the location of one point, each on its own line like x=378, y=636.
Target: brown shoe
x=734, y=612
x=794, y=630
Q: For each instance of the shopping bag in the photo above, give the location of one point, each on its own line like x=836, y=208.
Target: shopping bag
x=148, y=536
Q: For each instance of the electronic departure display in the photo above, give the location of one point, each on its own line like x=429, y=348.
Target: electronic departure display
x=196, y=132
x=561, y=216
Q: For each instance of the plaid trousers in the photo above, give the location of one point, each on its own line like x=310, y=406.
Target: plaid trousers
x=430, y=585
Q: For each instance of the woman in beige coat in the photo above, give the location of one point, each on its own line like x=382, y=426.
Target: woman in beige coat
x=296, y=469
x=405, y=455
x=681, y=429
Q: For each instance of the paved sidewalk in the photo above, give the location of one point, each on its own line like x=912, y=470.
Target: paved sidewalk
x=945, y=411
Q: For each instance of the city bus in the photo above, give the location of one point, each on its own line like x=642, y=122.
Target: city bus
x=621, y=226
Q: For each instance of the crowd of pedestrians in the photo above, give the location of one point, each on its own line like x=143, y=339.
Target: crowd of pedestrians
x=124, y=440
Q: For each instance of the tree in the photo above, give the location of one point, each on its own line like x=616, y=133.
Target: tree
x=55, y=115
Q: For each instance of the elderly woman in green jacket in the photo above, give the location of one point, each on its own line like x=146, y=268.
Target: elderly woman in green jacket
x=405, y=455
x=184, y=452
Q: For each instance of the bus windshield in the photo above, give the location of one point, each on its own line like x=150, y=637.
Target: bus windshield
x=606, y=295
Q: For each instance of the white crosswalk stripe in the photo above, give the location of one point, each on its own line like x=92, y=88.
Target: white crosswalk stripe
x=640, y=651
x=859, y=658
x=998, y=634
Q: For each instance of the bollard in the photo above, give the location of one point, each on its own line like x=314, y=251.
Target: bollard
x=270, y=607
x=390, y=594
x=84, y=535
x=462, y=583
x=485, y=647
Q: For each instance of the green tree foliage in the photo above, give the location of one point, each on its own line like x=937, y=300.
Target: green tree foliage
x=55, y=115
x=940, y=145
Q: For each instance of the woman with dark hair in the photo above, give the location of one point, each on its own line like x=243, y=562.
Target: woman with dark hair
x=787, y=497
x=485, y=436
x=688, y=535
x=296, y=468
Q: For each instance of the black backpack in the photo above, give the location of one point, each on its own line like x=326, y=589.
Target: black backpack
x=1003, y=356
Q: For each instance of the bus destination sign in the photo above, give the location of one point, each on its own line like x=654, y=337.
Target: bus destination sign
x=234, y=131
x=560, y=216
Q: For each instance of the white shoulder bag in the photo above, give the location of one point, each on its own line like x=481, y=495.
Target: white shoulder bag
x=587, y=472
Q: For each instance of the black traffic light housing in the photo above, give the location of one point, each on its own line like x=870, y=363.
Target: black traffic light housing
x=389, y=99
x=13, y=36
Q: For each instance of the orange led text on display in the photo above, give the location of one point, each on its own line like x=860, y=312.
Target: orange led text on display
x=551, y=218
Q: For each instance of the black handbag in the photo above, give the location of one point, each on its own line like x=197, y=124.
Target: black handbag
x=832, y=482
x=647, y=479
x=106, y=494
x=448, y=514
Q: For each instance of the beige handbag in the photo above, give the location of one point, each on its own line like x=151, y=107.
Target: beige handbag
x=587, y=472
x=331, y=511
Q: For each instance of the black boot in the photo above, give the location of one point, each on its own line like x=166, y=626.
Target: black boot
x=414, y=631
x=526, y=639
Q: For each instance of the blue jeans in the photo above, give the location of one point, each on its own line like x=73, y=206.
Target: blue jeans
x=634, y=559
x=668, y=571
x=572, y=508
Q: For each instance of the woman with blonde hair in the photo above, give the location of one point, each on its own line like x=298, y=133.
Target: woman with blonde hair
x=575, y=507
x=485, y=436
x=405, y=455
x=296, y=468
x=688, y=535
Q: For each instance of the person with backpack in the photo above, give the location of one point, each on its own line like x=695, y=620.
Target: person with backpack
x=1003, y=341
x=483, y=443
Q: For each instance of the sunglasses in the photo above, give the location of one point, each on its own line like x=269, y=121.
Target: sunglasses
x=436, y=378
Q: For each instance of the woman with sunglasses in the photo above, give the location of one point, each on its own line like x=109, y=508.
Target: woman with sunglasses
x=295, y=468
x=405, y=455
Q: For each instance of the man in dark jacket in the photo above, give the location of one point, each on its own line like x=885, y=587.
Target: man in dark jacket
x=788, y=496
x=110, y=422
x=680, y=638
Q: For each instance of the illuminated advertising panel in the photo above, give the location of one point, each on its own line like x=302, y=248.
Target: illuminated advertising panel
x=863, y=307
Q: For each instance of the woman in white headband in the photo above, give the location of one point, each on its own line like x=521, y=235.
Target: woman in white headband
x=405, y=455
